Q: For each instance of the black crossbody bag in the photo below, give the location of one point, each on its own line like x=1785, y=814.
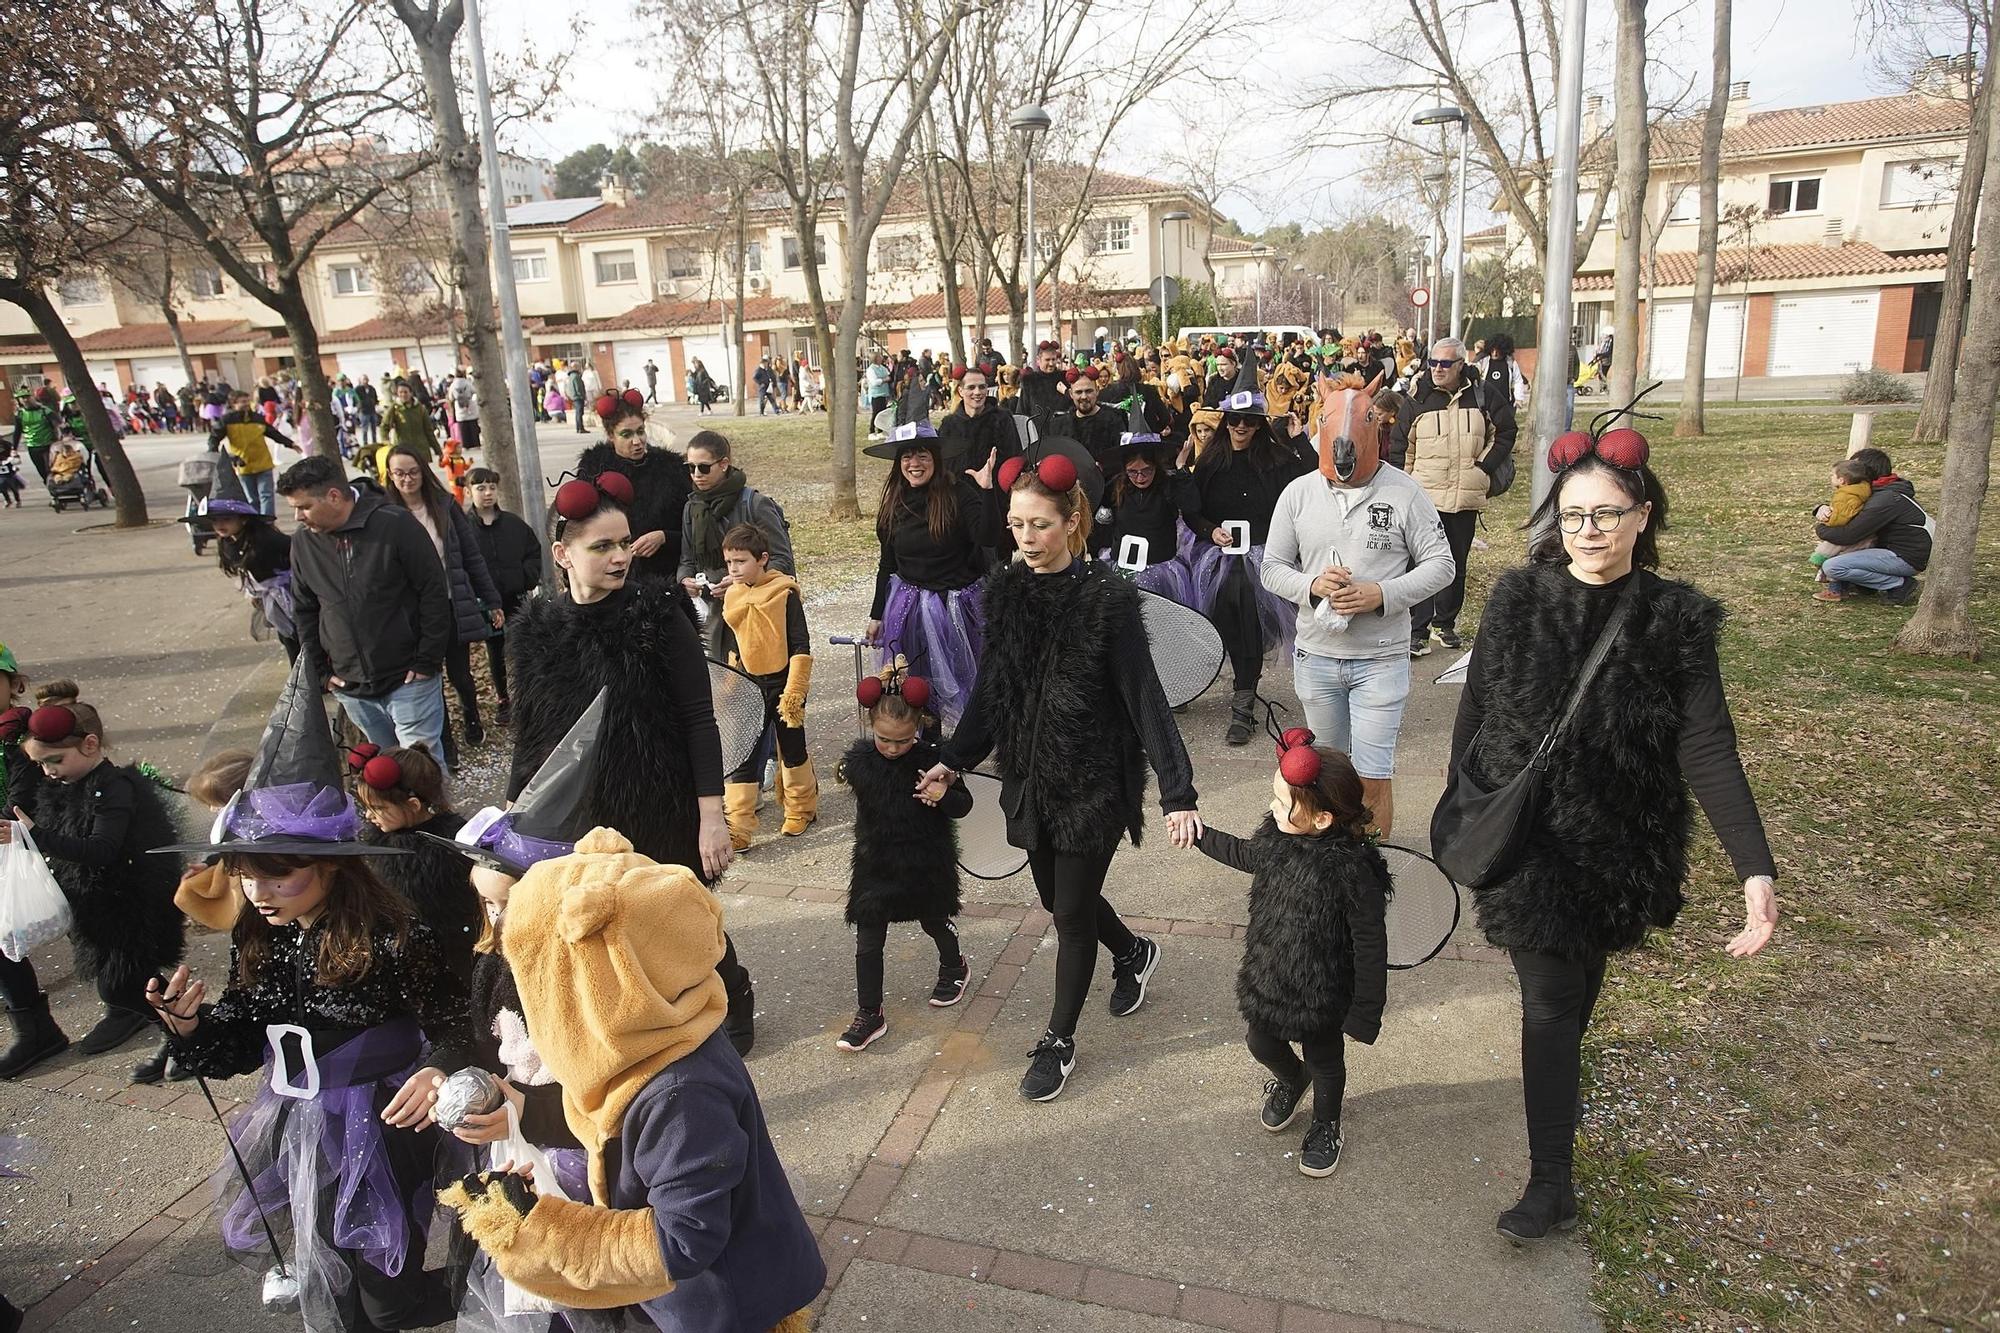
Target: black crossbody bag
x=1477, y=835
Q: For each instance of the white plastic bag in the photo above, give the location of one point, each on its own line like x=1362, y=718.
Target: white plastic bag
x=515, y=1148
x=33, y=910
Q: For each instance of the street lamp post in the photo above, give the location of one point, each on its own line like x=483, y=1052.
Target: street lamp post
x=1177, y=215
x=1446, y=115
x=1550, y=406
x=1319, y=303
x=1029, y=121
x=1434, y=175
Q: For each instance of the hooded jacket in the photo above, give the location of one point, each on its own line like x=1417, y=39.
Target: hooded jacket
x=905, y=856
x=370, y=599
x=660, y=488
x=1893, y=518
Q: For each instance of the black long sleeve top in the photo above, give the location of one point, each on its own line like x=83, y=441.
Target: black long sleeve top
x=1707, y=751
x=1241, y=490
x=910, y=553
x=1155, y=514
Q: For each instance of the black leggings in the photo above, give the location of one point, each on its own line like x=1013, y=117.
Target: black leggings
x=19, y=987
x=458, y=670
x=735, y=976
x=1235, y=617
x=791, y=740
x=1326, y=1062
x=868, y=942
x=1459, y=530
x=496, y=664
x=1071, y=888
x=1557, y=996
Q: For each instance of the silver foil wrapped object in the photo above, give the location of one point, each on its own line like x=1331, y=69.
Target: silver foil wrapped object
x=471, y=1091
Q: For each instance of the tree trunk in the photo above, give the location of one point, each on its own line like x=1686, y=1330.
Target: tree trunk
x=173, y=318
x=110, y=450
x=434, y=34
x=1694, y=378
x=1632, y=153
x=297, y=318
x=954, y=313
x=1942, y=625
x=1934, y=416
x=842, y=390
x=742, y=255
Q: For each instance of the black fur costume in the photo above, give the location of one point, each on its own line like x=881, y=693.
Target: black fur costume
x=1315, y=954
x=437, y=884
x=905, y=859
x=1050, y=642
x=1609, y=854
x=560, y=654
x=660, y=487
x=126, y=927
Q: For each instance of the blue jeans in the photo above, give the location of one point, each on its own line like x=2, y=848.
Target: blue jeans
x=1883, y=571
x=260, y=489
x=1355, y=705
x=410, y=714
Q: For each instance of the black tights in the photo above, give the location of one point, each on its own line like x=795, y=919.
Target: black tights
x=1326, y=1062
x=1557, y=996
x=1235, y=617
x=19, y=987
x=458, y=670
x=1072, y=890
x=735, y=976
x=496, y=664
x=868, y=942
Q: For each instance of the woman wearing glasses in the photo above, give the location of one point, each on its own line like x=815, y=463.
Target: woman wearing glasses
x=1606, y=858
x=723, y=498
x=659, y=478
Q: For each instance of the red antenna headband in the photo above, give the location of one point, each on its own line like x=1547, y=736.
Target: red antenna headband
x=1620, y=446
x=915, y=690
x=606, y=402
x=1298, y=762
x=52, y=724
x=1055, y=471
x=373, y=767
x=580, y=497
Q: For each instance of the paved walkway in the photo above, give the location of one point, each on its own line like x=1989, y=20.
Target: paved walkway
x=1146, y=1198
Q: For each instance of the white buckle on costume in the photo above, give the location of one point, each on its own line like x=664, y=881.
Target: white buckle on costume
x=282, y=1082
x=907, y=431
x=1132, y=552
x=1241, y=401
x=1239, y=536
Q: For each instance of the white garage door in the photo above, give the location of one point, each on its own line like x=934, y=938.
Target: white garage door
x=713, y=353
x=1667, y=341
x=630, y=359
x=148, y=374
x=375, y=365
x=104, y=374
x=1827, y=333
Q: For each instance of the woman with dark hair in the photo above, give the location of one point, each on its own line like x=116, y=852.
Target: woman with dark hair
x=1068, y=699
x=1496, y=365
x=660, y=485
x=659, y=776
x=1152, y=509
x=1606, y=858
x=475, y=597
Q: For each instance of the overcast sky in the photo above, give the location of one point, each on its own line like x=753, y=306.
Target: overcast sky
x=1791, y=51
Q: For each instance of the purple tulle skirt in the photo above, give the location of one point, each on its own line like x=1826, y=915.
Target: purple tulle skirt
x=941, y=635
x=326, y=1179
x=1277, y=617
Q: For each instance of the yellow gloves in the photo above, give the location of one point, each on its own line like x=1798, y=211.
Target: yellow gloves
x=574, y=1254
x=792, y=703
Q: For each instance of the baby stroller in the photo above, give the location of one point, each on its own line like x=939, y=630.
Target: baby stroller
x=197, y=478
x=81, y=488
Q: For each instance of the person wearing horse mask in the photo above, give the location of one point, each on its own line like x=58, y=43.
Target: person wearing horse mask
x=1355, y=544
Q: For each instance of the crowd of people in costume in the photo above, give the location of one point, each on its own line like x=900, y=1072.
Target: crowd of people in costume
x=535, y=1015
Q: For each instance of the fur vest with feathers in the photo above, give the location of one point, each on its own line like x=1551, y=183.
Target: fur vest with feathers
x=905, y=858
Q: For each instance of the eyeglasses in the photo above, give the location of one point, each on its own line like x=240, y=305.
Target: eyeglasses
x=703, y=469
x=1604, y=518
x=403, y=474
x=1445, y=364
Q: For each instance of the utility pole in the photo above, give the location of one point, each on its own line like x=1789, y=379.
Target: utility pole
x=1550, y=409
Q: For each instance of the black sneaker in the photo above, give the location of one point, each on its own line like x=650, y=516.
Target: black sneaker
x=868, y=1024
x=1448, y=637
x=1049, y=1067
x=1129, y=976
x=475, y=734
x=1901, y=594
x=1320, y=1153
x=1420, y=645
x=1281, y=1102
x=951, y=982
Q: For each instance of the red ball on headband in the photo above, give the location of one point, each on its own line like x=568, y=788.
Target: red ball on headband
x=605, y=402
x=576, y=499
x=869, y=691
x=617, y=487
x=1294, y=737
x=633, y=398
x=1566, y=448
x=1070, y=376
x=1010, y=472
x=359, y=755
x=1300, y=766
x=916, y=692
x=1623, y=447
x=51, y=723
x=1056, y=472
x=382, y=773
x=958, y=372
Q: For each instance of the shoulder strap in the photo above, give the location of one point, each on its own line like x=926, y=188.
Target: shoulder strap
x=1598, y=652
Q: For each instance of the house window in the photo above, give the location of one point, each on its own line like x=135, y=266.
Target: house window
x=1112, y=236
x=352, y=280
x=79, y=289
x=1231, y=274
x=615, y=266
x=1686, y=206
x=791, y=255
x=206, y=282
x=683, y=263
x=753, y=257
x=413, y=279
x=1794, y=194
x=1921, y=183
x=899, y=252
x=531, y=268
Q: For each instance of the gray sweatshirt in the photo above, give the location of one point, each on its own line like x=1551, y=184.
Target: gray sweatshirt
x=1386, y=532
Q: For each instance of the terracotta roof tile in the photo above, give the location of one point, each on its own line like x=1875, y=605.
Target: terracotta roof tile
x=1870, y=120
x=383, y=328
x=1233, y=245
x=149, y=337
x=1781, y=262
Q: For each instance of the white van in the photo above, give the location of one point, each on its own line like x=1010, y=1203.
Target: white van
x=1273, y=336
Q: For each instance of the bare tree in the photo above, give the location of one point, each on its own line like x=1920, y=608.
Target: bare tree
x=1739, y=256
x=1942, y=625
x=1692, y=419
x=265, y=142
x=1634, y=151
x=147, y=253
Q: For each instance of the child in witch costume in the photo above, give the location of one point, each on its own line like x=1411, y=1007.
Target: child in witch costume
x=692, y=1218
x=401, y=794
x=93, y=821
x=1158, y=506
x=905, y=862
x=252, y=550
x=774, y=648
x=350, y=1005
x=1316, y=952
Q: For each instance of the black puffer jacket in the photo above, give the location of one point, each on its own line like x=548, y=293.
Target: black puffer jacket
x=370, y=599
x=1316, y=953
x=1893, y=518
x=473, y=591
x=437, y=884
x=905, y=861
x=660, y=488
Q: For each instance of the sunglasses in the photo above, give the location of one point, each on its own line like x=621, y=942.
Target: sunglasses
x=703, y=469
x=1444, y=364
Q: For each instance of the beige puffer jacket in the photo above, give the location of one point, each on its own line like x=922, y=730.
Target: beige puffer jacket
x=1444, y=452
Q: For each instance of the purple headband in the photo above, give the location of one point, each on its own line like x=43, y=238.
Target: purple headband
x=295, y=810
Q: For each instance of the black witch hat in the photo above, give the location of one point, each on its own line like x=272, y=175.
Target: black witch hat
x=292, y=802
x=913, y=429
x=1245, y=399
x=546, y=819
x=1140, y=434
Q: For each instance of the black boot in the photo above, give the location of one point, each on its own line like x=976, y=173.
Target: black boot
x=741, y=1022
x=1548, y=1204
x=161, y=1066
x=36, y=1038
x=118, y=1026
x=1242, y=716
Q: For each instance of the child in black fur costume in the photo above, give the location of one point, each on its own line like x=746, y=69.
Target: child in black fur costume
x=1316, y=953
x=905, y=864
x=401, y=794
x=94, y=822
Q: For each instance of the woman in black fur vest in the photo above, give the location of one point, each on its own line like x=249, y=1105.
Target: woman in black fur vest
x=1606, y=859
x=94, y=822
x=660, y=486
x=905, y=861
x=1068, y=698
x=1316, y=954
x=660, y=782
